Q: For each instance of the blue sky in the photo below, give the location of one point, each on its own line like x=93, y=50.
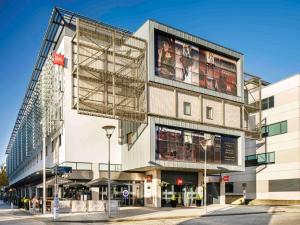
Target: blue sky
x=267, y=32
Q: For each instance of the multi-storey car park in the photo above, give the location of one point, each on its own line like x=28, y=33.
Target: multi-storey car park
x=172, y=96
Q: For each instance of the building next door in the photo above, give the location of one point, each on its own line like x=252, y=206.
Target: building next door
x=213, y=193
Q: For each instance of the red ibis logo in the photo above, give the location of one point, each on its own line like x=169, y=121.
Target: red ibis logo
x=226, y=178
x=179, y=181
x=58, y=59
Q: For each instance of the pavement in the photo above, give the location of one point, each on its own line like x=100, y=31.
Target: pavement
x=216, y=214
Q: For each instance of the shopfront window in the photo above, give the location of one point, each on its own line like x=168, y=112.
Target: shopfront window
x=189, y=146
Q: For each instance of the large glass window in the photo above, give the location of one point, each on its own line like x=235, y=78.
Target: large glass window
x=267, y=103
x=187, y=145
x=274, y=129
x=179, y=60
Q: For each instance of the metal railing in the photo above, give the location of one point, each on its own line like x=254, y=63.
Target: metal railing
x=260, y=159
x=113, y=167
x=78, y=165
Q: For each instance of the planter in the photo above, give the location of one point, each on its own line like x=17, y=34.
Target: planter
x=198, y=202
x=173, y=203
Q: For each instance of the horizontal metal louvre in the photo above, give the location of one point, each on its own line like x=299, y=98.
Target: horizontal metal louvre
x=284, y=185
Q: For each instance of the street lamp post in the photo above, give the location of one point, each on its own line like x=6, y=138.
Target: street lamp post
x=109, y=129
x=211, y=139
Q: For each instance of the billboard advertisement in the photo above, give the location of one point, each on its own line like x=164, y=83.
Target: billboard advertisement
x=176, y=144
x=181, y=61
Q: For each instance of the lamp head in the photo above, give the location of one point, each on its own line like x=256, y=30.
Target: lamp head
x=109, y=129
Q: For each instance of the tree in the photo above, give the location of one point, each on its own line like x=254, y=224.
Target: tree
x=3, y=176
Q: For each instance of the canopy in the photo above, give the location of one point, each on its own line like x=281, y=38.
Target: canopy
x=103, y=181
x=51, y=182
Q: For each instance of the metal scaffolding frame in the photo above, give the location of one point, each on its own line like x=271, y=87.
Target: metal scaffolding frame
x=252, y=87
x=109, y=72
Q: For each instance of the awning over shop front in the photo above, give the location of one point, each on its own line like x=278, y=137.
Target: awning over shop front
x=51, y=182
x=103, y=181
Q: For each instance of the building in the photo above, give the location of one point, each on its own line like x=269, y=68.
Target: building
x=173, y=96
x=272, y=164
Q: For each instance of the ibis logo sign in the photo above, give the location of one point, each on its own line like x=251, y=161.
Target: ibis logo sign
x=58, y=59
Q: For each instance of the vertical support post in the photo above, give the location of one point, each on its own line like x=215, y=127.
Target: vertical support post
x=260, y=116
x=113, y=78
x=44, y=166
x=77, y=62
x=223, y=107
x=109, y=213
x=205, y=180
x=201, y=108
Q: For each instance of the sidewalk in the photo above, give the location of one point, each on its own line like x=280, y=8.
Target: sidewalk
x=138, y=214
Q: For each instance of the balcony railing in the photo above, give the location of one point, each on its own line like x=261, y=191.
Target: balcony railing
x=78, y=165
x=113, y=167
x=260, y=159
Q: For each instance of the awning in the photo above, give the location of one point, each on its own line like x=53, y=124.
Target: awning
x=51, y=182
x=76, y=184
x=103, y=181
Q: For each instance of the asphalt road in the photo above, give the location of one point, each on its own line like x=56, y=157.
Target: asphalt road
x=284, y=218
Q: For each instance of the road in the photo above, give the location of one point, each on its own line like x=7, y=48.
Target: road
x=229, y=216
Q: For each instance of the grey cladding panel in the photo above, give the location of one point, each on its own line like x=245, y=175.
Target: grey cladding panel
x=284, y=185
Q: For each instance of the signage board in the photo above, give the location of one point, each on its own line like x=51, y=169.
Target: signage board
x=58, y=59
x=149, y=178
x=226, y=178
x=125, y=193
x=62, y=170
x=179, y=181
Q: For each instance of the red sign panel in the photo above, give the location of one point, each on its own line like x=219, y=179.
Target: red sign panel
x=58, y=59
x=226, y=178
x=149, y=178
x=179, y=181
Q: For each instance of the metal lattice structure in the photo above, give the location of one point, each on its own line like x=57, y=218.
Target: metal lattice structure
x=253, y=86
x=51, y=82
x=109, y=72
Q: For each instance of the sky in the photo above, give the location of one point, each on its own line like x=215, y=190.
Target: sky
x=266, y=32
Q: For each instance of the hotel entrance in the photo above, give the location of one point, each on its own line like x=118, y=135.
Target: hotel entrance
x=181, y=186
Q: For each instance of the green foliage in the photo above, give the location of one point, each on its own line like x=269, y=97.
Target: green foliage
x=3, y=177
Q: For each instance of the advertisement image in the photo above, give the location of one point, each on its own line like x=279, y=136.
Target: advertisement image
x=175, y=144
x=188, y=63
x=165, y=54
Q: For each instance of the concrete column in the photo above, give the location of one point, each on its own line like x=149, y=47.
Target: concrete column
x=60, y=192
x=152, y=189
x=30, y=192
x=200, y=183
x=95, y=193
x=95, y=190
x=222, y=192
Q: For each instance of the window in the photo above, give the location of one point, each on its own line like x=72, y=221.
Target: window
x=187, y=108
x=274, y=129
x=52, y=146
x=41, y=155
x=267, y=103
x=59, y=140
x=209, y=113
x=46, y=150
x=129, y=138
x=229, y=187
x=37, y=158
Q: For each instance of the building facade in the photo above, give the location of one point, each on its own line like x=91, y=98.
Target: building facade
x=272, y=164
x=171, y=95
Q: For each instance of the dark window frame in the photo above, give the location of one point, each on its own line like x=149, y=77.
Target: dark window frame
x=209, y=115
x=267, y=103
x=185, y=105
